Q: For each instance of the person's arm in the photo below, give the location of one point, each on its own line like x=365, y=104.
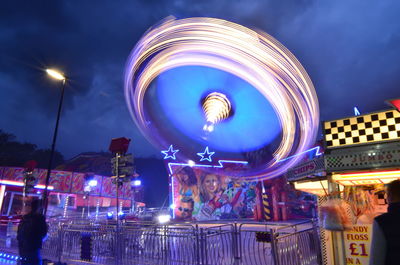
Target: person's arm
x=378, y=246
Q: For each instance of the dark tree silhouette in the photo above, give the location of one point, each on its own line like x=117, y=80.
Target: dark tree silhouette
x=15, y=154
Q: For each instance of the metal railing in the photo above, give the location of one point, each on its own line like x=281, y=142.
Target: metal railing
x=176, y=243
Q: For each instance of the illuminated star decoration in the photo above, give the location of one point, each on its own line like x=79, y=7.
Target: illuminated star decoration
x=170, y=153
x=206, y=155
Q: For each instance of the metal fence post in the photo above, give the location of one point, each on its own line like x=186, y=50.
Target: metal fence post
x=165, y=244
x=197, y=248
x=60, y=242
x=203, y=247
x=316, y=241
x=236, y=241
x=274, y=247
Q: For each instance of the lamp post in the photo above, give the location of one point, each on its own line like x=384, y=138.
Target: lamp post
x=58, y=76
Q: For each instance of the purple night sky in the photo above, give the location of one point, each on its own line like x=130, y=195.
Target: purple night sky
x=349, y=48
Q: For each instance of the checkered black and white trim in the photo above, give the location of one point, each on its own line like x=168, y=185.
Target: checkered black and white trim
x=369, y=128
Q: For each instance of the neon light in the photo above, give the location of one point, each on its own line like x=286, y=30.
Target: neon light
x=367, y=177
x=170, y=153
x=40, y=186
x=220, y=164
x=314, y=149
x=21, y=184
x=172, y=190
x=356, y=111
x=206, y=155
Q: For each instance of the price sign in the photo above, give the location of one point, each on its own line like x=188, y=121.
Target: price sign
x=357, y=243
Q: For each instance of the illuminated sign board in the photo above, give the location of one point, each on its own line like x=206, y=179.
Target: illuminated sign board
x=357, y=244
x=309, y=168
x=385, y=155
x=366, y=178
x=370, y=128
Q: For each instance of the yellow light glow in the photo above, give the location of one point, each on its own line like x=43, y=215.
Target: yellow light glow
x=319, y=188
x=366, y=178
x=216, y=107
x=55, y=74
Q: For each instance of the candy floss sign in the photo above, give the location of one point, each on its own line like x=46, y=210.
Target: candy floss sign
x=357, y=244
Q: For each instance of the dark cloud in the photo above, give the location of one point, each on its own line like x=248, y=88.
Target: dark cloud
x=350, y=49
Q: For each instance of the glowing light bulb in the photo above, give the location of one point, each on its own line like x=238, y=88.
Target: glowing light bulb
x=216, y=107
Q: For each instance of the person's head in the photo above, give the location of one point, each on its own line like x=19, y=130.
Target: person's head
x=35, y=205
x=210, y=184
x=185, y=208
x=187, y=176
x=393, y=191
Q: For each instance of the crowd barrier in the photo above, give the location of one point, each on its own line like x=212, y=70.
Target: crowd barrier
x=239, y=243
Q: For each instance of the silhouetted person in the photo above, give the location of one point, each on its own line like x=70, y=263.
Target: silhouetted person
x=385, y=247
x=31, y=231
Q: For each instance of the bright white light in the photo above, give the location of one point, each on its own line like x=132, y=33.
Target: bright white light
x=55, y=74
x=92, y=183
x=191, y=163
x=356, y=111
x=137, y=183
x=165, y=218
x=110, y=214
x=172, y=206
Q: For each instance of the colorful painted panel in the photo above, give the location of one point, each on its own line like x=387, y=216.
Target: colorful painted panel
x=13, y=173
x=61, y=180
x=41, y=175
x=199, y=195
x=108, y=188
x=126, y=191
x=78, y=180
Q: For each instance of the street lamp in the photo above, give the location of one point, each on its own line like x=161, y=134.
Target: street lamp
x=58, y=76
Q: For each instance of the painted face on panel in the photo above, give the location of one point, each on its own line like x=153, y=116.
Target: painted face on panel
x=211, y=183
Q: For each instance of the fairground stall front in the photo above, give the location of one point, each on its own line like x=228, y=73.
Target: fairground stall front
x=362, y=155
x=71, y=194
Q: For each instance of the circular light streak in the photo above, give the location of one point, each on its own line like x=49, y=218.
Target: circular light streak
x=253, y=56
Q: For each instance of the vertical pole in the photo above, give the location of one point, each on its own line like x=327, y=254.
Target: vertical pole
x=274, y=247
x=235, y=243
x=88, y=206
x=133, y=201
x=198, y=255
x=337, y=236
x=117, y=248
x=53, y=145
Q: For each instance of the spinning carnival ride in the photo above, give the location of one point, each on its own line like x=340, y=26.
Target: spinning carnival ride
x=213, y=85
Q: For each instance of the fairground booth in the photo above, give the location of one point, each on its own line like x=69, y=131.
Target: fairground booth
x=362, y=154
x=198, y=194
x=71, y=194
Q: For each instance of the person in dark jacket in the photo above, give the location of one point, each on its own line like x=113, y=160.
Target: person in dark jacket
x=31, y=231
x=385, y=246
